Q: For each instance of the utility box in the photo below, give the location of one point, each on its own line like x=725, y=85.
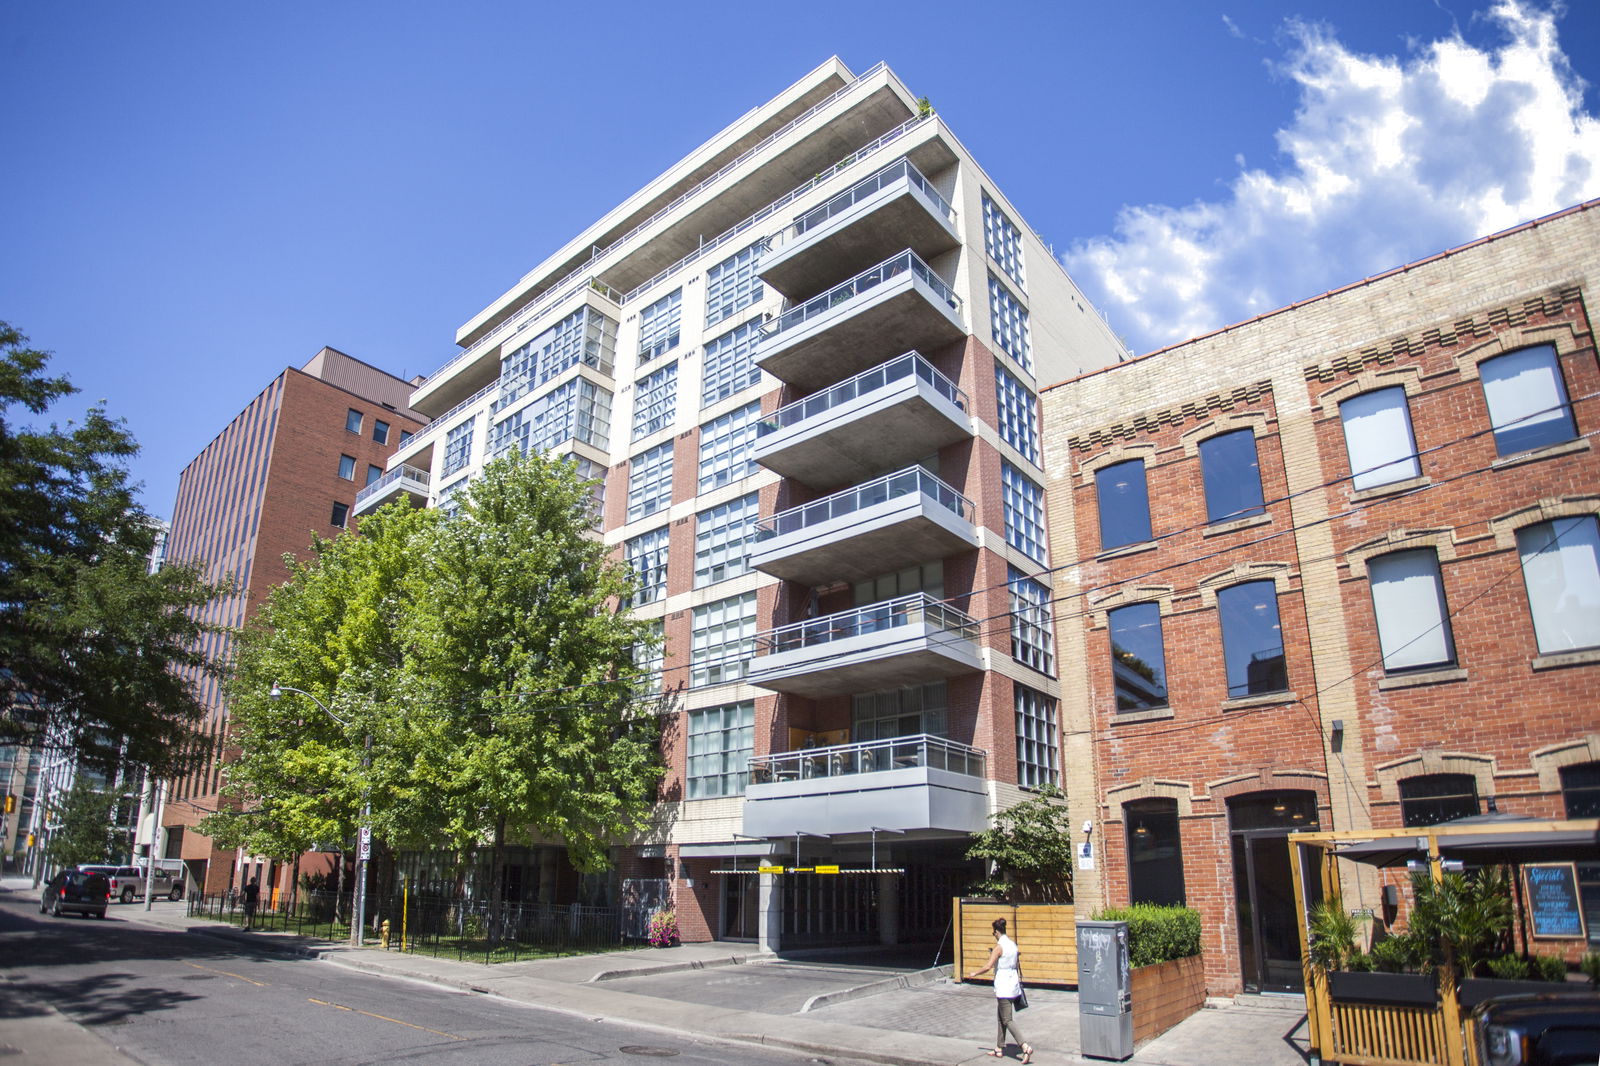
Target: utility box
x=1105, y=991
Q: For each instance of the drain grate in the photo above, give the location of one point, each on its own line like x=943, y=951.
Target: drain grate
x=647, y=1050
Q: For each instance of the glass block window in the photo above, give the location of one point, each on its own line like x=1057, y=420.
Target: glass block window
x=655, y=401
x=1009, y=321
x=458, y=448
x=726, y=446
x=1003, y=241
x=1032, y=636
x=730, y=363
x=650, y=657
x=1037, y=759
x=1024, y=511
x=1019, y=414
x=650, y=481
x=579, y=410
x=658, y=325
x=722, y=540
x=732, y=285
x=723, y=640
x=586, y=336
x=899, y=712
x=721, y=741
x=647, y=557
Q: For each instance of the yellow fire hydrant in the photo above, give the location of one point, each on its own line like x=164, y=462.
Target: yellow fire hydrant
x=385, y=934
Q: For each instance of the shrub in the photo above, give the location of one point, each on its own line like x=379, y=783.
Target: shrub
x=1361, y=962
x=1509, y=968
x=1156, y=933
x=663, y=929
x=1549, y=968
x=1334, y=935
x=1590, y=965
x=1399, y=954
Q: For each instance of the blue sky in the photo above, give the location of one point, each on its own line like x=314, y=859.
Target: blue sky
x=197, y=195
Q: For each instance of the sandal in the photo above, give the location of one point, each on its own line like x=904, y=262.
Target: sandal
x=1027, y=1052
x=997, y=1054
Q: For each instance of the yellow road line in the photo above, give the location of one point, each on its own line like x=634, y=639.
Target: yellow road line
x=225, y=973
x=385, y=1018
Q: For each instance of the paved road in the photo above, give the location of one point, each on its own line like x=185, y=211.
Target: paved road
x=177, y=998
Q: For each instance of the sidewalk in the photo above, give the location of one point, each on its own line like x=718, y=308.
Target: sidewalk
x=913, y=1020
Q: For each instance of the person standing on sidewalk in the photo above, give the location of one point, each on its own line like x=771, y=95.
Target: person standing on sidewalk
x=1005, y=961
x=252, y=896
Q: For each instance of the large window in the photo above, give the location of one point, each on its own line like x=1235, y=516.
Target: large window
x=1252, y=640
x=655, y=401
x=647, y=555
x=650, y=656
x=730, y=363
x=1377, y=437
x=726, y=446
x=1037, y=762
x=1413, y=619
x=457, y=448
x=658, y=326
x=1429, y=799
x=1003, y=241
x=1138, y=657
x=650, y=481
x=1009, y=321
x=722, y=540
x=1561, y=568
x=1032, y=640
x=1527, y=399
x=578, y=410
x=723, y=639
x=899, y=712
x=926, y=578
x=1023, y=503
x=1124, y=504
x=1155, y=851
x=1232, y=474
x=732, y=285
x=585, y=336
x=1019, y=414
x=721, y=741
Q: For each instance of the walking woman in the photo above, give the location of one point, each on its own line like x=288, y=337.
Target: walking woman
x=1003, y=961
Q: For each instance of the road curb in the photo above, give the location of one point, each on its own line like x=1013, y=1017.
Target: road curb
x=919, y=979
x=680, y=967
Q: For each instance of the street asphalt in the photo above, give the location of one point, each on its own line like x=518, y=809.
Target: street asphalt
x=895, y=1014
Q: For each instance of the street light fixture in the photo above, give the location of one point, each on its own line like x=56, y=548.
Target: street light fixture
x=364, y=842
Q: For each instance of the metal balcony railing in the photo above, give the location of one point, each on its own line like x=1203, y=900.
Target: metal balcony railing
x=873, y=618
x=411, y=473
x=865, y=757
x=908, y=482
x=911, y=364
x=900, y=169
x=436, y=424
x=869, y=279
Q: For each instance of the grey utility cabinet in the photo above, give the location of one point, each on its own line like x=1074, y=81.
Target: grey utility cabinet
x=1105, y=995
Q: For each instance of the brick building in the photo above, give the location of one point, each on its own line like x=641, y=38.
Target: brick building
x=1333, y=567
x=286, y=468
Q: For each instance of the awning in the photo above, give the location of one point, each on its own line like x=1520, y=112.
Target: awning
x=750, y=849
x=1481, y=840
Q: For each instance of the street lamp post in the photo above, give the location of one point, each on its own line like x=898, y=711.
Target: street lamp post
x=364, y=841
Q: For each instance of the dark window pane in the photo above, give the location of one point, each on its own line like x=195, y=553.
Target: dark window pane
x=1252, y=640
x=1124, y=505
x=1232, y=475
x=1138, y=658
x=1527, y=399
x=1429, y=799
x=373, y=473
x=380, y=431
x=1580, y=787
x=1155, y=851
x=405, y=437
x=352, y=420
x=1291, y=809
x=341, y=512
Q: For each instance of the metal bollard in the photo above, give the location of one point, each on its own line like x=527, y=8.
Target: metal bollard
x=385, y=934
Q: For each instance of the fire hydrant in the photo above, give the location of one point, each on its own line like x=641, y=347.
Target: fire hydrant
x=384, y=931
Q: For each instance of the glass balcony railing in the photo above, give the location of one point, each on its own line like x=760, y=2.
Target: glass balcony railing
x=409, y=473
x=869, y=279
x=900, y=368
x=894, y=753
x=873, y=618
x=908, y=482
x=900, y=170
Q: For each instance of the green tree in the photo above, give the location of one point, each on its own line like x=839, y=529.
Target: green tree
x=1029, y=849
x=81, y=829
x=90, y=641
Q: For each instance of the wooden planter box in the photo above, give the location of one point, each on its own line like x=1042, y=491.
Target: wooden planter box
x=1165, y=994
x=1384, y=989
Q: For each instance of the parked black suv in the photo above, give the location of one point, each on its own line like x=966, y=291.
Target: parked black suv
x=1539, y=1030
x=77, y=891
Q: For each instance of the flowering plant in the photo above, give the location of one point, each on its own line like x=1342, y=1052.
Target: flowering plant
x=663, y=929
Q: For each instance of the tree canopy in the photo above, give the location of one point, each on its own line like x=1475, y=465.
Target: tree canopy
x=90, y=640
x=1030, y=850
x=484, y=656
x=81, y=827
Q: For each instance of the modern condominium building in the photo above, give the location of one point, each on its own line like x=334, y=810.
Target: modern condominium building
x=803, y=365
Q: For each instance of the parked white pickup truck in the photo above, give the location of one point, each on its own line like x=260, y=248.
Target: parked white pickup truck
x=128, y=882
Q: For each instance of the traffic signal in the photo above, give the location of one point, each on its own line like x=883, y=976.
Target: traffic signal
x=11, y=802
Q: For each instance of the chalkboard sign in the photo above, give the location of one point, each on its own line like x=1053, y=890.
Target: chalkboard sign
x=1552, y=889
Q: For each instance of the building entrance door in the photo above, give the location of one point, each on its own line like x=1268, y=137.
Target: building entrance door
x=741, y=895
x=1263, y=884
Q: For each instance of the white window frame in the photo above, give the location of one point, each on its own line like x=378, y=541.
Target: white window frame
x=1032, y=627
x=655, y=401
x=729, y=364
x=1038, y=746
x=1008, y=321
x=733, y=284
x=1023, y=500
x=719, y=742
x=723, y=640
x=723, y=539
x=1018, y=414
x=1003, y=241
x=650, y=481
x=659, y=326
x=727, y=447
x=647, y=557
x=458, y=448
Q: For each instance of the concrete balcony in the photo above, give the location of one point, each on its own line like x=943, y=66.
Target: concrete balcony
x=844, y=331
x=904, y=641
x=894, y=209
x=882, y=418
x=402, y=481
x=896, y=521
x=906, y=783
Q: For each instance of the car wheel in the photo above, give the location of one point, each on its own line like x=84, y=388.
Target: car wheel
x=127, y=894
x=176, y=894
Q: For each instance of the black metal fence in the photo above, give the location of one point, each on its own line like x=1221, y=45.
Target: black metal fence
x=464, y=929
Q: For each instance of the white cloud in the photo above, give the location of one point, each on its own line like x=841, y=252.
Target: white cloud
x=1387, y=160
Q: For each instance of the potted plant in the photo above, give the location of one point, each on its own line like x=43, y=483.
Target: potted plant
x=1352, y=977
x=663, y=929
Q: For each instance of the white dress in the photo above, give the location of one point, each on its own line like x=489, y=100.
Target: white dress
x=1007, y=978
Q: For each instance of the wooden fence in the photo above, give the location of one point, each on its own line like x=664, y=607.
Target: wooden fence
x=1046, y=935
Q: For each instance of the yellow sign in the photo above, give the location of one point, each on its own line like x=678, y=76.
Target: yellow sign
x=799, y=869
x=827, y=869
x=769, y=869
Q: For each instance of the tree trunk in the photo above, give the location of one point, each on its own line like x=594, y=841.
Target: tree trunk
x=497, y=880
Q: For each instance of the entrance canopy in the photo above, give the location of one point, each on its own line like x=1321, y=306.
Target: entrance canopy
x=1483, y=839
